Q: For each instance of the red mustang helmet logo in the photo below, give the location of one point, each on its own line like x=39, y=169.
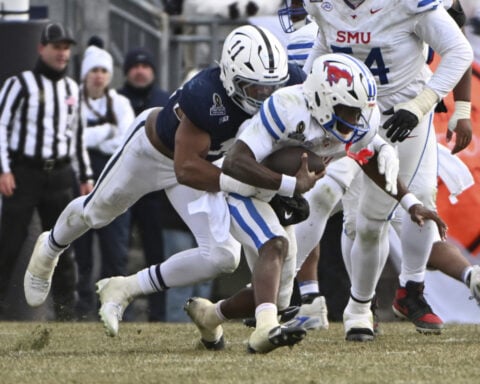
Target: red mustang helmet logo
x=334, y=74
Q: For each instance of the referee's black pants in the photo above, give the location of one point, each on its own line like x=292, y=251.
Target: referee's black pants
x=48, y=191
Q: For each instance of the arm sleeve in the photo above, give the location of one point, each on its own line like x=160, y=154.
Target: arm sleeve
x=440, y=32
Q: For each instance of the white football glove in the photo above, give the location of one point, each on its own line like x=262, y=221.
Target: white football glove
x=388, y=165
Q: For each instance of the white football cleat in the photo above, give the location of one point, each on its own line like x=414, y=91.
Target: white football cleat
x=115, y=294
x=38, y=276
x=358, y=326
x=475, y=283
x=266, y=339
x=311, y=316
x=203, y=314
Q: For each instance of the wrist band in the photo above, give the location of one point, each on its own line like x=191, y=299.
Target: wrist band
x=426, y=99
x=287, y=186
x=463, y=110
x=409, y=200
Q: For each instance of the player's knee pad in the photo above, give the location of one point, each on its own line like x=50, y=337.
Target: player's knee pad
x=349, y=229
x=73, y=217
x=370, y=231
x=102, y=210
x=96, y=220
x=222, y=259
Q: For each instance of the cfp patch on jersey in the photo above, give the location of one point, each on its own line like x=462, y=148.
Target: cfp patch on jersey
x=217, y=109
x=298, y=134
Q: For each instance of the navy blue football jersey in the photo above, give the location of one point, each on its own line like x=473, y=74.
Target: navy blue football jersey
x=204, y=101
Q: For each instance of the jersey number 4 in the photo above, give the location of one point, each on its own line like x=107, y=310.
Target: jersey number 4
x=374, y=62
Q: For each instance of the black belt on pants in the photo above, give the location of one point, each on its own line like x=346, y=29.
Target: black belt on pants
x=37, y=163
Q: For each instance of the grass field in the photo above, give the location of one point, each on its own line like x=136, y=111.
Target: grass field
x=168, y=353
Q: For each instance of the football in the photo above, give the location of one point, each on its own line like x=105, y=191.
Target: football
x=287, y=160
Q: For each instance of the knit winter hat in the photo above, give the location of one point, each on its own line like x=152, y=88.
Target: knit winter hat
x=136, y=56
x=96, y=57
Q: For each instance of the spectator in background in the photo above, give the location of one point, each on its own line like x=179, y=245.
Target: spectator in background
x=140, y=86
x=162, y=230
x=40, y=133
x=108, y=116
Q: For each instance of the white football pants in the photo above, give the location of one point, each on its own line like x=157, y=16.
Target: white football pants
x=134, y=170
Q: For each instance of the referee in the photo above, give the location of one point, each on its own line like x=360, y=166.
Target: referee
x=40, y=137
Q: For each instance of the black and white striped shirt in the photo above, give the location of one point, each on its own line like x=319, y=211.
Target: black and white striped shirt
x=40, y=119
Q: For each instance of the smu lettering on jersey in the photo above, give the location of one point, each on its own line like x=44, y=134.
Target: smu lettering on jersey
x=284, y=120
x=383, y=34
x=204, y=101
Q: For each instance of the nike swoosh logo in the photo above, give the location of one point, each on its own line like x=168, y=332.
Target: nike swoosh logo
x=288, y=215
x=373, y=11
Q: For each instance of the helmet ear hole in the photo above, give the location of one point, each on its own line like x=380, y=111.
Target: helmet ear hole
x=317, y=99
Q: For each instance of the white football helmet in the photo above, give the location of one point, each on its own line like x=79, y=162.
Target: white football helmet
x=253, y=65
x=337, y=78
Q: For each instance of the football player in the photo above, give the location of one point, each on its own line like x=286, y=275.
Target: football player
x=300, y=29
x=333, y=114
x=389, y=37
x=172, y=149
x=323, y=198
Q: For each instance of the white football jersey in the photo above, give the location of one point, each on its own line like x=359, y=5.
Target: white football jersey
x=285, y=120
x=388, y=36
x=300, y=43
